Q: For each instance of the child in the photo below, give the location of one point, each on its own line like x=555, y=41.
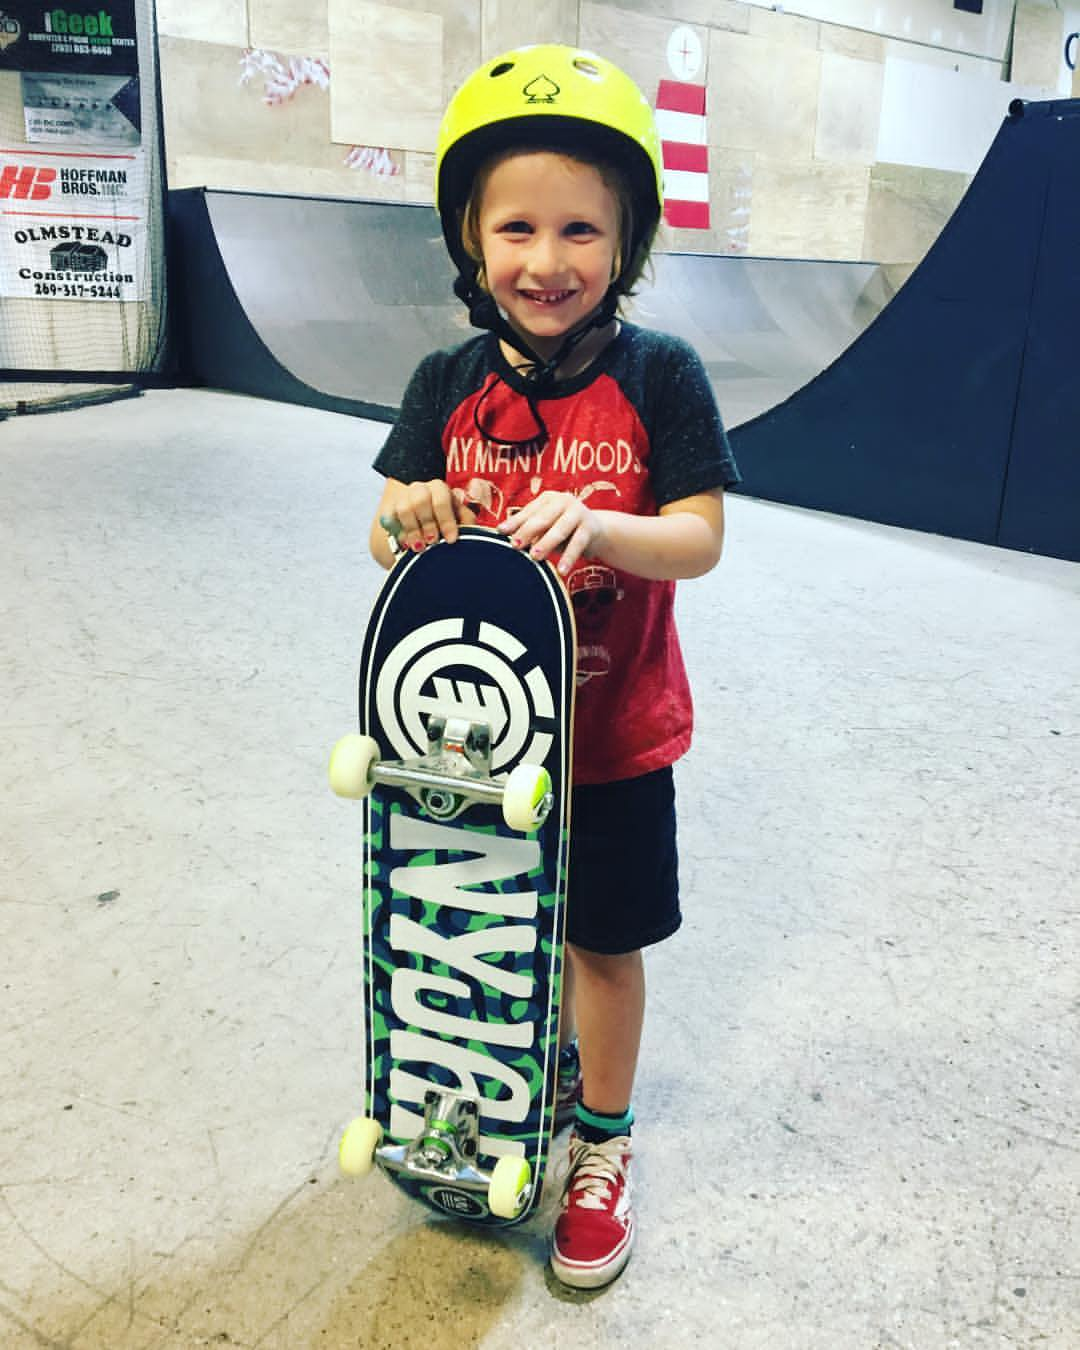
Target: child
x=597, y=444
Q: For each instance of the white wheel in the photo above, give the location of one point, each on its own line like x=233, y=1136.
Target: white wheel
x=510, y=1188
x=527, y=797
x=351, y=762
x=356, y=1152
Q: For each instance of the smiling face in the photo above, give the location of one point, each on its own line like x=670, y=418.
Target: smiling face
x=547, y=230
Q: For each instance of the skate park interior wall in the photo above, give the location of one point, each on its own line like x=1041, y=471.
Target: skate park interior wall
x=955, y=412
x=262, y=96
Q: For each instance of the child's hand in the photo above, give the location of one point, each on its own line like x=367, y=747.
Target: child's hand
x=555, y=522
x=425, y=512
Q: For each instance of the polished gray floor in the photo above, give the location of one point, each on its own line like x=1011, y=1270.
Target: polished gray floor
x=859, y=1095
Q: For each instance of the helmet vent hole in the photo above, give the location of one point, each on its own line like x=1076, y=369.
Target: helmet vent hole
x=587, y=68
x=503, y=68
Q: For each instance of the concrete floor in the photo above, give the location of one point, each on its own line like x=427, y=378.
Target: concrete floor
x=859, y=1097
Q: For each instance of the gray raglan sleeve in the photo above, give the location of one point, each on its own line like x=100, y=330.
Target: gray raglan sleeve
x=413, y=450
x=690, y=452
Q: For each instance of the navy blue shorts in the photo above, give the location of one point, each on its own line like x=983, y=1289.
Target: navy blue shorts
x=624, y=865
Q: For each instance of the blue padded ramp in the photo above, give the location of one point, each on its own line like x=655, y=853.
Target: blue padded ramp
x=956, y=410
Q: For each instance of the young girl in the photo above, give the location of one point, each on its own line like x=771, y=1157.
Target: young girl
x=597, y=444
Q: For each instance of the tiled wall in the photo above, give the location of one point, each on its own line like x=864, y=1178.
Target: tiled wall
x=797, y=106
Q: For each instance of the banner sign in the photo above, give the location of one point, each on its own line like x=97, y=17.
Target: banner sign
x=84, y=36
x=72, y=225
x=101, y=110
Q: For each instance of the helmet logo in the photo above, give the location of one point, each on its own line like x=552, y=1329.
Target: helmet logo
x=541, y=90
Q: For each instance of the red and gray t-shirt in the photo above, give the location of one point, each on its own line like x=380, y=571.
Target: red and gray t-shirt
x=638, y=429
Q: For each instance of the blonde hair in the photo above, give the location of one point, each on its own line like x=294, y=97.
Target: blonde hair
x=626, y=272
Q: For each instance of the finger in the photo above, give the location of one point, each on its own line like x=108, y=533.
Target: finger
x=543, y=508
x=444, y=522
x=418, y=518
x=538, y=521
x=554, y=537
x=408, y=521
x=518, y=516
x=576, y=547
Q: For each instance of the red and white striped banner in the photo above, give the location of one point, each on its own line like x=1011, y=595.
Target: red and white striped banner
x=683, y=127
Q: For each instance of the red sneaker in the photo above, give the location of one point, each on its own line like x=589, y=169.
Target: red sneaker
x=594, y=1235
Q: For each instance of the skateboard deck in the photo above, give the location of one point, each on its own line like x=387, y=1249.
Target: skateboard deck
x=466, y=698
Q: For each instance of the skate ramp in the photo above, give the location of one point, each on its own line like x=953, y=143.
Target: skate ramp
x=955, y=412
x=333, y=303
x=763, y=326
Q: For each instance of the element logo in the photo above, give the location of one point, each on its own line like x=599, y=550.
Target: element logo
x=488, y=677
x=10, y=30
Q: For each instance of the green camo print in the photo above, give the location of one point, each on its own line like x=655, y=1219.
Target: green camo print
x=486, y=1006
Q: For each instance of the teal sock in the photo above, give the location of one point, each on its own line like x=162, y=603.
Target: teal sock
x=595, y=1127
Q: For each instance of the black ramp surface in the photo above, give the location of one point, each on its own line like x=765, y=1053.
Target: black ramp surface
x=266, y=299
x=1042, y=493
x=914, y=424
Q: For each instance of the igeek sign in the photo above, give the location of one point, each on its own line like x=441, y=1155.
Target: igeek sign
x=85, y=36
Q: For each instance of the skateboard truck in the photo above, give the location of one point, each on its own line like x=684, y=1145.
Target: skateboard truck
x=454, y=773
x=443, y=1155
x=455, y=770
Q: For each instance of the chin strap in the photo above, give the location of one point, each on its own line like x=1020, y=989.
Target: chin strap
x=538, y=373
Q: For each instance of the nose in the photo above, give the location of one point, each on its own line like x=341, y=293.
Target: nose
x=546, y=256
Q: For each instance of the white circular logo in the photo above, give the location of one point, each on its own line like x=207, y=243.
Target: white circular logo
x=684, y=53
x=435, y=670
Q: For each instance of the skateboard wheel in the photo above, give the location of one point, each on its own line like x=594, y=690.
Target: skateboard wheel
x=527, y=797
x=351, y=762
x=356, y=1152
x=510, y=1188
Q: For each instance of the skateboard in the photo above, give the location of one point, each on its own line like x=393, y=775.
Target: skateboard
x=463, y=766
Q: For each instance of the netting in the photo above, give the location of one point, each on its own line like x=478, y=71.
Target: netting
x=82, y=256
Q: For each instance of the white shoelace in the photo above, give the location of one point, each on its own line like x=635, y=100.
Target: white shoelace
x=593, y=1169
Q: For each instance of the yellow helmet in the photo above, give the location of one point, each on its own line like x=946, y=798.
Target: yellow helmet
x=549, y=96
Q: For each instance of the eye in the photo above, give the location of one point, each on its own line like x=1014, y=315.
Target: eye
x=514, y=227
x=580, y=227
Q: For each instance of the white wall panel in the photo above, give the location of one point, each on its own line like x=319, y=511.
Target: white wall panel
x=941, y=119
x=926, y=21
